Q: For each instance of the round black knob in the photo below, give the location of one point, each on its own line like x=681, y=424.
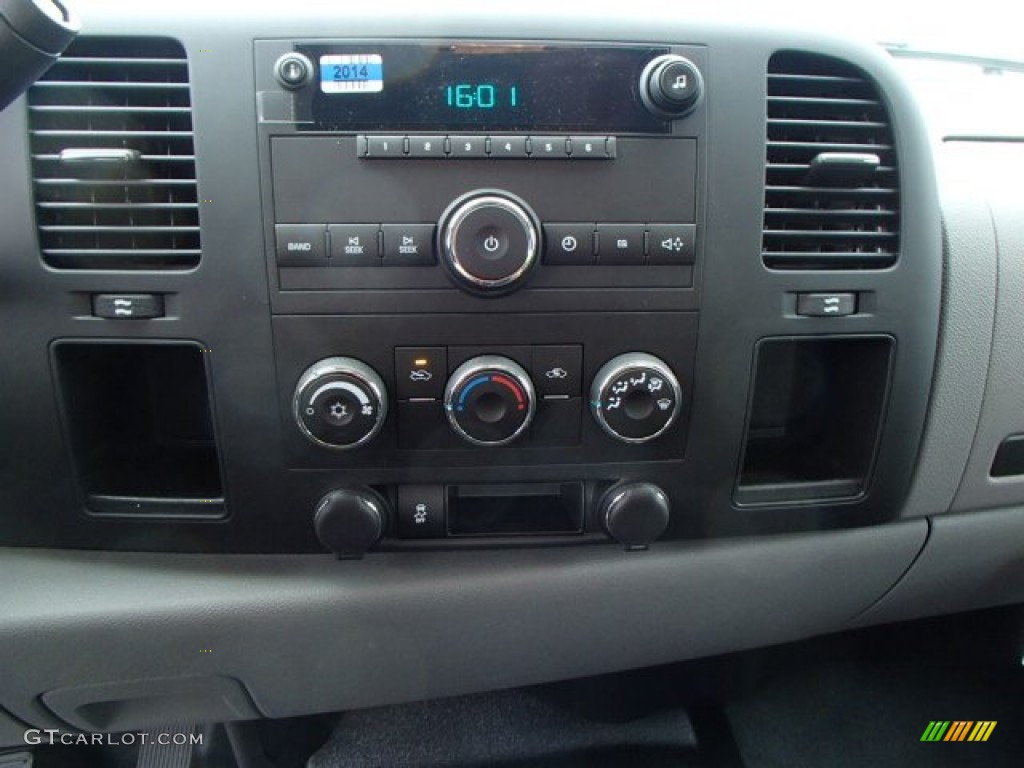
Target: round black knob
x=489, y=400
x=340, y=403
x=634, y=514
x=350, y=521
x=489, y=242
x=671, y=86
x=635, y=397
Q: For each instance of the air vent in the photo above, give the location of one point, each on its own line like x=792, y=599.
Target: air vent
x=831, y=181
x=112, y=157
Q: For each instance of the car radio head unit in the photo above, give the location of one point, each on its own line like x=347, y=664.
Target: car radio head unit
x=515, y=170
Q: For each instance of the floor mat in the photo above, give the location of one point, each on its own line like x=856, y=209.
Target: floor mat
x=866, y=699
x=510, y=729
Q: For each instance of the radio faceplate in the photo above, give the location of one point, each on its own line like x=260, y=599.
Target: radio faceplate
x=360, y=170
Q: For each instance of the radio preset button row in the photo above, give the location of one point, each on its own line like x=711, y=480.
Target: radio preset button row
x=578, y=244
x=478, y=146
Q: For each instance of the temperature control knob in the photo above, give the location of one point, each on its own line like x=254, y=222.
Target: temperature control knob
x=489, y=242
x=635, y=397
x=340, y=403
x=489, y=400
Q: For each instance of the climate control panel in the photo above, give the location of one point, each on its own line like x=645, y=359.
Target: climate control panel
x=489, y=400
x=605, y=388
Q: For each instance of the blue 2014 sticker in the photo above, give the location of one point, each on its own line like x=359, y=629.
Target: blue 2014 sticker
x=352, y=73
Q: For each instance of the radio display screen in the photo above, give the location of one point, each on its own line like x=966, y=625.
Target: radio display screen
x=480, y=87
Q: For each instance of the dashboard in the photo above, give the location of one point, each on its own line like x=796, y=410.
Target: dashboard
x=445, y=353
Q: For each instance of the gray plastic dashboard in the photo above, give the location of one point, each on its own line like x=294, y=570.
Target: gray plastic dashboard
x=108, y=640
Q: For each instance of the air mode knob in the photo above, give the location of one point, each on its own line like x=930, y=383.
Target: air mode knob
x=489, y=400
x=671, y=86
x=635, y=397
x=489, y=242
x=340, y=403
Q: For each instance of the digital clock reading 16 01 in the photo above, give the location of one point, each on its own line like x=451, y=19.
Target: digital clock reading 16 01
x=490, y=87
x=481, y=96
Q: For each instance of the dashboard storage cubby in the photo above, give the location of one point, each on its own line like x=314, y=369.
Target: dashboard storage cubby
x=515, y=510
x=814, y=418
x=139, y=424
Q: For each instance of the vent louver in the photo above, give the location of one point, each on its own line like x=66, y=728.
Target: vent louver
x=831, y=179
x=113, y=162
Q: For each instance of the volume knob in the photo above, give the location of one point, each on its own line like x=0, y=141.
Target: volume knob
x=489, y=242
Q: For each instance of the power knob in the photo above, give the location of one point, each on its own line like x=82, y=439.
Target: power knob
x=635, y=397
x=340, y=403
x=489, y=241
x=671, y=86
x=489, y=400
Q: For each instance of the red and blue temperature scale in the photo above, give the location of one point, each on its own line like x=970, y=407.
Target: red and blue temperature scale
x=495, y=378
